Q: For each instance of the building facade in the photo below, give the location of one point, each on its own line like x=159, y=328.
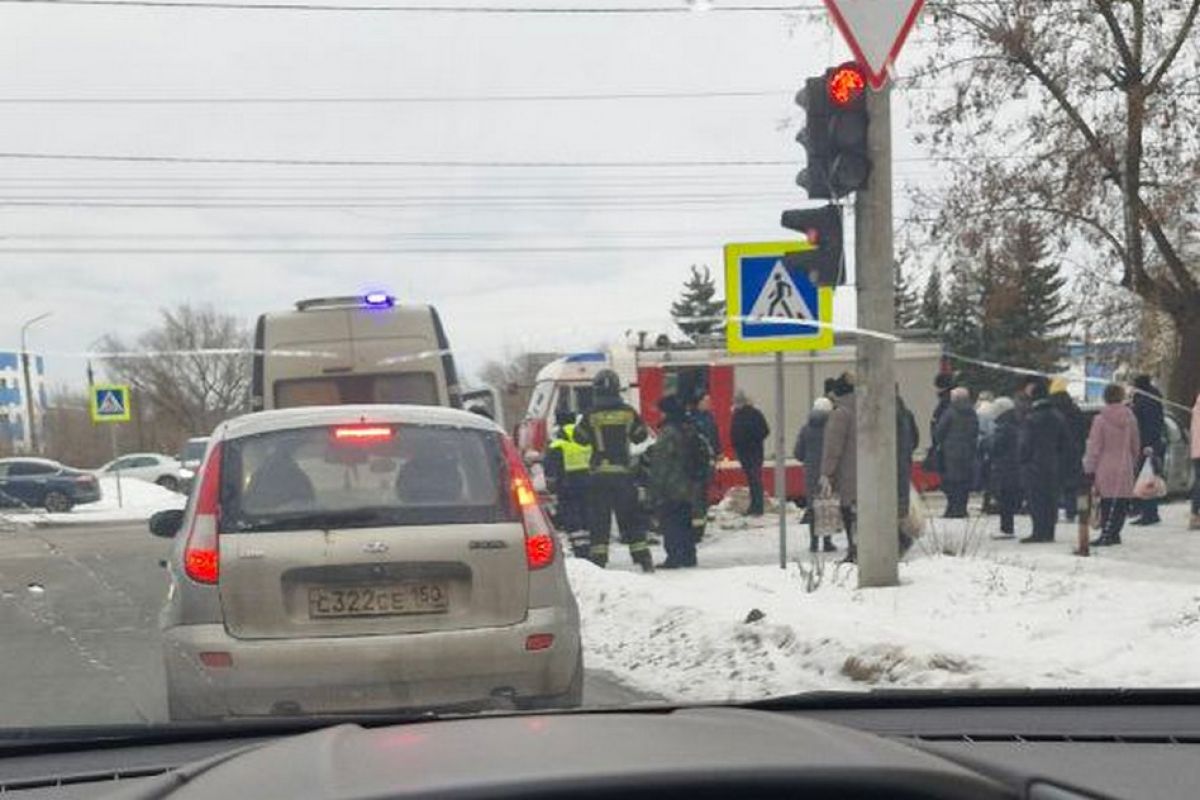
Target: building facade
x=14, y=409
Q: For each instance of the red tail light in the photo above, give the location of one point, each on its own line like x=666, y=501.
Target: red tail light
x=217, y=658
x=539, y=641
x=539, y=536
x=85, y=480
x=201, y=557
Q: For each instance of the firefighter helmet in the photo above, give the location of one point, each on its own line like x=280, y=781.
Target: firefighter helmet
x=606, y=383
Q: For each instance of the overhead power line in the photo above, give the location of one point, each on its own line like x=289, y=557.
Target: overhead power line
x=460, y=163
x=416, y=163
x=465, y=9
x=310, y=251
x=398, y=99
x=425, y=9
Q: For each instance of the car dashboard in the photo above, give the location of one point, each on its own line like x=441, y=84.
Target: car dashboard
x=934, y=753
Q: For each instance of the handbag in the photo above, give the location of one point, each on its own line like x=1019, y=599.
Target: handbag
x=827, y=513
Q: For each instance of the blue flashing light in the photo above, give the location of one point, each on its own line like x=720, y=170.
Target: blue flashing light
x=579, y=358
x=378, y=300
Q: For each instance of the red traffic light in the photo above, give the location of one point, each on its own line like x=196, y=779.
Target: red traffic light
x=845, y=84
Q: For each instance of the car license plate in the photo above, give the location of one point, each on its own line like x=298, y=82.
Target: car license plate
x=377, y=601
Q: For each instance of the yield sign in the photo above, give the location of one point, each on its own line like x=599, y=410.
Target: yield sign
x=875, y=31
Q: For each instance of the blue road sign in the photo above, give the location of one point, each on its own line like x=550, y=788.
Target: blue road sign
x=110, y=403
x=759, y=286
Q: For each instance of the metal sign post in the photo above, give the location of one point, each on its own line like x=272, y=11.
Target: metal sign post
x=112, y=431
x=780, y=460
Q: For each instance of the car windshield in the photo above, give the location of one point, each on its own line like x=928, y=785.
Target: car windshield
x=414, y=475
x=689, y=352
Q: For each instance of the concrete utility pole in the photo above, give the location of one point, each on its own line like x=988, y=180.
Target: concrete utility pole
x=875, y=389
x=30, y=418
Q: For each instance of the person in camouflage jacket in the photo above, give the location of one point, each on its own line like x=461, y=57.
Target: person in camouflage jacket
x=672, y=485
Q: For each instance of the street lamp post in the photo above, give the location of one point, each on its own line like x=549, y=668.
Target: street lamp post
x=30, y=419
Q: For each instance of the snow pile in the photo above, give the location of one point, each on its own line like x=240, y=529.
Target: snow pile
x=139, y=499
x=1005, y=615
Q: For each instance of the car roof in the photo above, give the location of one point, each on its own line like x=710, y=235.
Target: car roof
x=29, y=460
x=139, y=455
x=316, y=416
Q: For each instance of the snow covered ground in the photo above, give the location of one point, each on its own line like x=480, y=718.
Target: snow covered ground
x=970, y=612
x=139, y=499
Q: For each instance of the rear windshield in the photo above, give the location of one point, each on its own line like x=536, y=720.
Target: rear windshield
x=405, y=388
x=415, y=475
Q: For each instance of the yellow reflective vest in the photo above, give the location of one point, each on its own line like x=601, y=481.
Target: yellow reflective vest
x=576, y=457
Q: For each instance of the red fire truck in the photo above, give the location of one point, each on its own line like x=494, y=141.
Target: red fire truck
x=649, y=373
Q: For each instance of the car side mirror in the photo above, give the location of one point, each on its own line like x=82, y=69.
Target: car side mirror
x=166, y=523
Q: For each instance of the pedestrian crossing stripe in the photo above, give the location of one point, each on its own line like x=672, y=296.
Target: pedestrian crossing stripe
x=110, y=403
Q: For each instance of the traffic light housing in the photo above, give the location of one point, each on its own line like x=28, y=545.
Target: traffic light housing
x=835, y=132
x=822, y=227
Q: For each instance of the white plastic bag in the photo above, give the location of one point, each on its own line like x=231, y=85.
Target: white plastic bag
x=1149, y=485
x=913, y=523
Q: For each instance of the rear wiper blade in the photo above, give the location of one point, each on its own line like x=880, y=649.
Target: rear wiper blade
x=312, y=519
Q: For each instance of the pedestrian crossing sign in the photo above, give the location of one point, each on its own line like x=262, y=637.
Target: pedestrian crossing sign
x=110, y=403
x=770, y=307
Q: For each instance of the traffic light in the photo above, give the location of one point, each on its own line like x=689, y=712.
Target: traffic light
x=835, y=132
x=822, y=227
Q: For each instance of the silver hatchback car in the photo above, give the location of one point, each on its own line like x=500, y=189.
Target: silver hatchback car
x=350, y=559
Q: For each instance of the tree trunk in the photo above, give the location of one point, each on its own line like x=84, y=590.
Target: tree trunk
x=1184, y=382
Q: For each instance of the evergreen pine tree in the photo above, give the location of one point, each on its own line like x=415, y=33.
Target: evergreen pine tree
x=1040, y=317
x=908, y=307
x=697, y=310
x=961, y=321
x=931, y=303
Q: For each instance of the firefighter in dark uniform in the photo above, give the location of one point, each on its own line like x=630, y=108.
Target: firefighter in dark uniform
x=567, y=466
x=611, y=427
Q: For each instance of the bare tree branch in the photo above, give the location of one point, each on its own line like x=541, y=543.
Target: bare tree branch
x=1130, y=63
x=1185, y=31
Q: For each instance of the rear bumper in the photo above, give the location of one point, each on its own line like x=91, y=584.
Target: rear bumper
x=368, y=673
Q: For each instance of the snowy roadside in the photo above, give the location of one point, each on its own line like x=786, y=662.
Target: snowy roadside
x=139, y=499
x=1004, y=615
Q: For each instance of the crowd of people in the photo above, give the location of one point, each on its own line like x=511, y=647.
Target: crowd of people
x=1034, y=452
x=1038, y=451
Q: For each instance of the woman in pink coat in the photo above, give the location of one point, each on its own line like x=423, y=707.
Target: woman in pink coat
x=1113, y=448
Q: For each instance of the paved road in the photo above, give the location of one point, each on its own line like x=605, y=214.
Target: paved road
x=79, y=628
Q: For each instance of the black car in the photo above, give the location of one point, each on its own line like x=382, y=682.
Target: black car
x=40, y=482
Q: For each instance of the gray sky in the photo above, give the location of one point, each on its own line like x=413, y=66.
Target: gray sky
x=658, y=220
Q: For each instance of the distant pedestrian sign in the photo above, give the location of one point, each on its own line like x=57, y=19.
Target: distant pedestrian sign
x=771, y=307
x=110, y=403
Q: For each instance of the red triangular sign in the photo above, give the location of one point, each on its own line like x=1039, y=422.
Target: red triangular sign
x=875, y=31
